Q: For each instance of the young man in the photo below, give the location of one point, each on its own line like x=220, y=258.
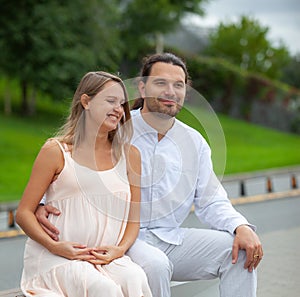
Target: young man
x=177, y=173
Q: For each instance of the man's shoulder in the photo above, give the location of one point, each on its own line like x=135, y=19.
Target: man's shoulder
x=190, y=130
x=134, y=112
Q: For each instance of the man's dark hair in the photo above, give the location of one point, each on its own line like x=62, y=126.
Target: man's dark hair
x=147, y=64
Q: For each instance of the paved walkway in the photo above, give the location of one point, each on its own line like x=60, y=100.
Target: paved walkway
x=279, y=271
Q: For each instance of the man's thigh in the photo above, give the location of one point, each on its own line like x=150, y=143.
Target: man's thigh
x=147, y=256
x=201, y=254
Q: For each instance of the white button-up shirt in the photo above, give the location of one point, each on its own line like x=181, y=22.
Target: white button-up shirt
x=177, y=173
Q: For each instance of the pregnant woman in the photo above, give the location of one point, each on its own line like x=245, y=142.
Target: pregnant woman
x=91, y=173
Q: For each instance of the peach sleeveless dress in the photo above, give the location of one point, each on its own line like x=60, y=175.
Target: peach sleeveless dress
x=94, y=209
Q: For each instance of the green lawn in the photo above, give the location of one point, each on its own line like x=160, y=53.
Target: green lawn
x=20, y=141
x=247, y=148
x=242, y=146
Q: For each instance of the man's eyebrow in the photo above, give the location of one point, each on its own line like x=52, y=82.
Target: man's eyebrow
x=156, y=78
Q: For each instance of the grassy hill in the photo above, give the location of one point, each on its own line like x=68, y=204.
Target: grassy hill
x=246, y=147
x=237, y=146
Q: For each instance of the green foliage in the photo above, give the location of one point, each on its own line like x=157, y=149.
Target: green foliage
x=234, y=91
x=49, y=45
x=144, y=19
x=246, y=44
x=291, y=72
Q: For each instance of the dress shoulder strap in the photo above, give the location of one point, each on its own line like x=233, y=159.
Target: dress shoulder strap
x=63, y=146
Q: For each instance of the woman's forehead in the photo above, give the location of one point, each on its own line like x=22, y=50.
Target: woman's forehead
x=111, y=89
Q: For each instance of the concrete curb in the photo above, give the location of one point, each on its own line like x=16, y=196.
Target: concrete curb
x=11, y=233
x=265, y=197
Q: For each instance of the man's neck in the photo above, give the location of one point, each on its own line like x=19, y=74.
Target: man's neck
x=161, y=124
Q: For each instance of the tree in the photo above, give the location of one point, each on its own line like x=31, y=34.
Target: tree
x=245, y=44
x=291, y=72
x=47, y=45
x=145, y=20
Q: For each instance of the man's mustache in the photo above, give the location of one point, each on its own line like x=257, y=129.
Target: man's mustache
x=176, y=100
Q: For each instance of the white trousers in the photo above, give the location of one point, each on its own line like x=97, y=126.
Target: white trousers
x=204, y=254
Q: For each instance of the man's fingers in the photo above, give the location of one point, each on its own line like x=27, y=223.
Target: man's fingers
x=46, y=224
x=50, y=233
x=257, y=261
x=42, y=214
x=51, y=209
x=235, y=253
x=249, y=261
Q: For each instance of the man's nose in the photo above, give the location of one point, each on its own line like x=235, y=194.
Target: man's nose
x=170, y=91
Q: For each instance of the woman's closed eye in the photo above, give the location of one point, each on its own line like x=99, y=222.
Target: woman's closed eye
x=115, y=102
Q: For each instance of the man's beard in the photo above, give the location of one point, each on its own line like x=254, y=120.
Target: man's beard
x=163, y=111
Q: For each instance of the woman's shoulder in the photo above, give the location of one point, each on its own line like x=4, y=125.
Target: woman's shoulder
x=131, y=151
x=52, y=148
x=133, y=158
x=50, y=156
x=56, y=144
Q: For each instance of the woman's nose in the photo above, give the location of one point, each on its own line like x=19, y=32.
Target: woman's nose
x=118, y=106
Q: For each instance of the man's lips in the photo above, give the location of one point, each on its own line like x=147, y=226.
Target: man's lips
x=167, y=101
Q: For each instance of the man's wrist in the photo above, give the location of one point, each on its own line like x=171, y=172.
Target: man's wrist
x=243, y=225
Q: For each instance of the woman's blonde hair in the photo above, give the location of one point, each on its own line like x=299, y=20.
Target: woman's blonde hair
x=72, y=132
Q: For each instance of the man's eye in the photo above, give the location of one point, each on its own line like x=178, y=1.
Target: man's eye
x=179, y=85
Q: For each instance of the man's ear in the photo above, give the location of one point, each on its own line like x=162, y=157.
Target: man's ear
x=85, y=100
x=141, y=87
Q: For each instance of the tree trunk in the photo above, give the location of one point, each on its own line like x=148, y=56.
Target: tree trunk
x=159, y=43
x=226, y=99
x=32, y=101
x=7, y=100
x=24, y=104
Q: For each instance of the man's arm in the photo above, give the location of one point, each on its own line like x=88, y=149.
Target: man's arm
x=214, y=208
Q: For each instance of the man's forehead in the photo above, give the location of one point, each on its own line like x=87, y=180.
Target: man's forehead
x=167, y=71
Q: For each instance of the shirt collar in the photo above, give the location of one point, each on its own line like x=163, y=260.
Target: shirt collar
x=143, y=125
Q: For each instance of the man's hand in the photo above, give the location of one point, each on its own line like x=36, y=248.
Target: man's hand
x=42, y=213
x=246, y=239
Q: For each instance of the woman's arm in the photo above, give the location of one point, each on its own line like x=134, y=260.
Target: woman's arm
x=47, y=164
x=134, y=177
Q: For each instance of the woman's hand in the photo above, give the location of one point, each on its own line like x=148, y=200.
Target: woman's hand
x=72, y=250
x=106, y=254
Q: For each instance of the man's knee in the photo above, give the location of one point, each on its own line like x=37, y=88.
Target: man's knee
x=159, y=267
x=152, y=260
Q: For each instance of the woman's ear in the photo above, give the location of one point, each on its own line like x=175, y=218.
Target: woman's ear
x=85, y=100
